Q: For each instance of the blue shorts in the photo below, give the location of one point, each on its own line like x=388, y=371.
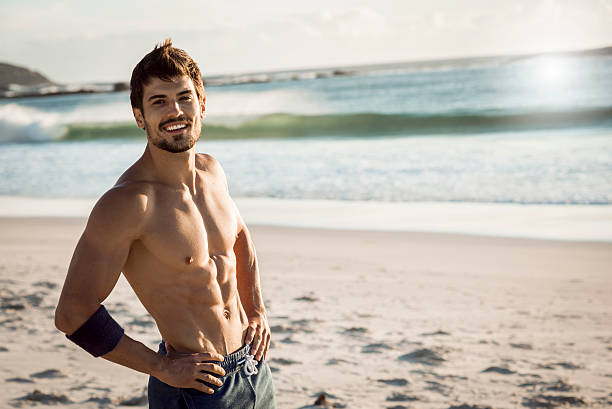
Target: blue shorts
x=239, y=390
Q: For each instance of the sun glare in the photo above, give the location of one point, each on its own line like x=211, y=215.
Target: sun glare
x=553, y=72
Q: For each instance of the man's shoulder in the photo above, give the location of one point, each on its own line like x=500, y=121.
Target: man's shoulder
x=124, y=206
x=207, y=163
x=135, y=193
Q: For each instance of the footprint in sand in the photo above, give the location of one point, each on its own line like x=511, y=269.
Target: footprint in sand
x=552, y=401
x=10, y=301
x=143, y=321
x=102, y=401
x=400, y=397
x=559, y=385
x=394, y=381
x=307, y=298
x=280, y=328
x=502, y=370
x=284, y=362
x=289, y=340
x=522, y=346
x=564, y=365
x=48, y=374
x=355, y=331
x=425, y=356
x=375, y=348
x=45, y=284
x=431, y=334
x=297, y=326
x=336, y=361
x=438, y=387
x=19, y=380
x=35, y=299
x=45, y=398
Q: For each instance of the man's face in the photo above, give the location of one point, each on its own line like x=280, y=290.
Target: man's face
x=171, y=114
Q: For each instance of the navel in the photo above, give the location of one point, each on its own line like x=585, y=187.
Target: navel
x=188, y=260
x=226, y=313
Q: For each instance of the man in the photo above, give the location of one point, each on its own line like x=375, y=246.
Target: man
x=171, y=227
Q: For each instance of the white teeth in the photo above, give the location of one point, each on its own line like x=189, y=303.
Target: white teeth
x=175, y=127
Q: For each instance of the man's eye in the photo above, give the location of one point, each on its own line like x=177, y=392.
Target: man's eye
x=158, y=102
x=186, y=98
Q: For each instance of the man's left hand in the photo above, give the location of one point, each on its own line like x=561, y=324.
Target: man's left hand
x=258, y=335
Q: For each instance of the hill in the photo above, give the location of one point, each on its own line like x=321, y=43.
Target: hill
x=12, y=74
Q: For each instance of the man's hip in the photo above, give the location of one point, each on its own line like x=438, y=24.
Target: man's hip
x=245, y=386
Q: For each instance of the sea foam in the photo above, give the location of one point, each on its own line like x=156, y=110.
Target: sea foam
x=24, y=124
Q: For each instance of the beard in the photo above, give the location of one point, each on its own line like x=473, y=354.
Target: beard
x=180, y=143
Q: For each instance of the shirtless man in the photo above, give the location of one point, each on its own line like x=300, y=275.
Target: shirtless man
x=171, y=227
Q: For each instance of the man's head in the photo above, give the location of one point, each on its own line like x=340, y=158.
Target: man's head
x=167, y=96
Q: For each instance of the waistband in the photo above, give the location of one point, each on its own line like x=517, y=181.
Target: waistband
x=231, y=362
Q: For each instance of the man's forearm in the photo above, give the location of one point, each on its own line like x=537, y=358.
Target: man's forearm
x=247, y=275
x=196, y=371
x=249, y=289
x=135, y=355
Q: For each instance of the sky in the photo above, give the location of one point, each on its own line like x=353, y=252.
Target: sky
x=76, y=41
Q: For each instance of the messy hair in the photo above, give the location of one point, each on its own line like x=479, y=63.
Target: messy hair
x=164, y=62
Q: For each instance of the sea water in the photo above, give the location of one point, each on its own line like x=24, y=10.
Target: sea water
x=523, y=131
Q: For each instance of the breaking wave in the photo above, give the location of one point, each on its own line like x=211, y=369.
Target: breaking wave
x=19, y=124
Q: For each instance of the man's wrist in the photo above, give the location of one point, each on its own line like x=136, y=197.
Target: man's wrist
x=256, y=314
x=160, y=367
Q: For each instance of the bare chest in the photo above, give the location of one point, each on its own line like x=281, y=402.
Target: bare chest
x=186, y=231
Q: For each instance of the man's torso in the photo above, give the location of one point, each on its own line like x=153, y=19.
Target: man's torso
x=183, y=266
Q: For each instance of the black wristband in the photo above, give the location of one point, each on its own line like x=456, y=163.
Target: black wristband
x=99, y=335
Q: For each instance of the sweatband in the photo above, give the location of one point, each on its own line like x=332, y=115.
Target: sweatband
x=99, y=335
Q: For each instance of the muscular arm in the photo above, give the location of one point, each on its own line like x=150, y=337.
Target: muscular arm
x=114, y=224
x=249, y=288
x=99, y=256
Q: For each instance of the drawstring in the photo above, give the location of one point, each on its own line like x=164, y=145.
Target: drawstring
x=250, y=365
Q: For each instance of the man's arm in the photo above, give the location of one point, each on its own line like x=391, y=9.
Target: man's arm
x=115, y=222
x=249, y=288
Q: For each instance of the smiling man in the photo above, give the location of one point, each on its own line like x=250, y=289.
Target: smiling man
x=171, y=227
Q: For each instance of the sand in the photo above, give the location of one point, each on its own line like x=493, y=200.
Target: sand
x=372, y=319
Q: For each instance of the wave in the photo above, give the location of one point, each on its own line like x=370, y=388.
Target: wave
x=283, y=125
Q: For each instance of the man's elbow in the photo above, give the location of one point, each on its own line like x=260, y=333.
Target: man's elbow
x=65, y=318
x=60, y=320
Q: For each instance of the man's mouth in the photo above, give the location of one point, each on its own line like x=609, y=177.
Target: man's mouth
x=175, y=126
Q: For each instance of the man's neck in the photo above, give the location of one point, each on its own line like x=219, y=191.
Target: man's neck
x=173, y=169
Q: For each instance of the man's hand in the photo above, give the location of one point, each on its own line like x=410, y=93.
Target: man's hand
x=190, y=370
x=258, y=335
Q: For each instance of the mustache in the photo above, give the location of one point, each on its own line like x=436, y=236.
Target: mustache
x=179, y=118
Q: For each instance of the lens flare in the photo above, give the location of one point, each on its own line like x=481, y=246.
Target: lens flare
x=553, y=72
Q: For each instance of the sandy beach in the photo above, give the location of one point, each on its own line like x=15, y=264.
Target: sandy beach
x=372, y=319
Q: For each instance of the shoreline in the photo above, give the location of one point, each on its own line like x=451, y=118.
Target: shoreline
x=574, y=223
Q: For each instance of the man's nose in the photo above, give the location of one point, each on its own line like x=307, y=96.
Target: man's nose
x=175, y=108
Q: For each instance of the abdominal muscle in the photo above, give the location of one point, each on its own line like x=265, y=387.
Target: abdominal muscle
x=196, y=309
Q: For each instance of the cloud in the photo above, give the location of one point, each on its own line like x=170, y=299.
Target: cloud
x=352, y=23
x=72, y=40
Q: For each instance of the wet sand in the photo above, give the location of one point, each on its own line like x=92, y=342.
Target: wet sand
x=372, y=319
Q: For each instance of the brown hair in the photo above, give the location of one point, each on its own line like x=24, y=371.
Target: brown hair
x=164, y=62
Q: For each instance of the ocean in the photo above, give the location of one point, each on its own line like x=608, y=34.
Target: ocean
x=521, y=131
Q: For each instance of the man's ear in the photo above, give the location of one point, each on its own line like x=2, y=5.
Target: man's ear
x=139, y=118
x=202, y=106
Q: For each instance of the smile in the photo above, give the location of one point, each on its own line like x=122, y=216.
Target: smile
x=174, y=127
